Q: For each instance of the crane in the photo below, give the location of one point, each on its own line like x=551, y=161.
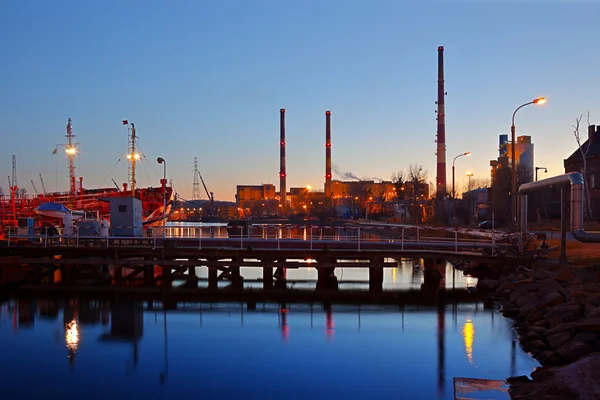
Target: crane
x=43, y=186
x=210, y=195
x=34, y=188
x=118, y=188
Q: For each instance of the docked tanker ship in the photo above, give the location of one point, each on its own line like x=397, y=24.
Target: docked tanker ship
x=87, y=202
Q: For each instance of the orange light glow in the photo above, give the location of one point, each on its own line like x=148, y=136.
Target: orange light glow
x=539, y=100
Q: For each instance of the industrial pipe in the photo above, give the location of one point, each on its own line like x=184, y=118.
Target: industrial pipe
x=575, y=181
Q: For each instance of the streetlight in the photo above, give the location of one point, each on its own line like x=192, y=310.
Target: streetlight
x=468, y=153
x=162, y=161
x=469, y=175
x=513, y=130
x=536, y=170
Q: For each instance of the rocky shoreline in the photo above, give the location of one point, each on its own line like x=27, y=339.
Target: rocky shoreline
x=556, y=312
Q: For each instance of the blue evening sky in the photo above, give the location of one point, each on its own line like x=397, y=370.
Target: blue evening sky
x=206, y=79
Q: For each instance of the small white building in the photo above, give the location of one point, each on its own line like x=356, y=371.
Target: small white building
x=125, y=216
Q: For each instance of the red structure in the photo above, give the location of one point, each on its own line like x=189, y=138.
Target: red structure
x=328, y=188
x=441, y=129
x=282, y=187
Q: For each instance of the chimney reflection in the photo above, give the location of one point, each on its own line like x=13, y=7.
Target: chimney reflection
x=329, y=323
x=468, y=332
x=441, y=310
x=285, y=329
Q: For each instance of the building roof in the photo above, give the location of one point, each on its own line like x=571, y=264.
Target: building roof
x=594, y=147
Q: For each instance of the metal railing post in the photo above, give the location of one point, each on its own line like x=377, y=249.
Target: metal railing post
x=358, y=239
x=456, y=241
x=311, y=229
x=402, y=238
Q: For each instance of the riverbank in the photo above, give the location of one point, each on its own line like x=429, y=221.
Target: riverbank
x=556, y=312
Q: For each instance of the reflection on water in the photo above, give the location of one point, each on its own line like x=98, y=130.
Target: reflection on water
x=276, y=350
x=468, y=332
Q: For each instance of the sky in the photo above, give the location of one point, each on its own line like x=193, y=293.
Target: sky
x=206, y=79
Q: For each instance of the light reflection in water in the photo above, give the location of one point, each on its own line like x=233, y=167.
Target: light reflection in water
x=72, y=337
x=468, y=332
x=394, y=272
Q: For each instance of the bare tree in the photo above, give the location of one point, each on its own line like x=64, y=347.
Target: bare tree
x=399, y=181
x=584, y=153
x=21, y=193
x=476, y=183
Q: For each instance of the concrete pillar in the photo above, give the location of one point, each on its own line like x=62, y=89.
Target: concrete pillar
x=267, y=267
x=376, y=275
x=213, y=274
x=326, y=279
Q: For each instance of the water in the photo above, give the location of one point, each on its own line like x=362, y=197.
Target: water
x=97, y=350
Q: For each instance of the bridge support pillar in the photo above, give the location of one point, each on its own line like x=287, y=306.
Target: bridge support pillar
x=434, y=274
x=280, y=276
x=376, y=275
x=326, y=279
x=267, y=267
x=166, y=276
x=213, y=276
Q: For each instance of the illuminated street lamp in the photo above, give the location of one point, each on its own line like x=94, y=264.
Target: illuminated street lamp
x=469, y=175
x=468, y=153
x=162, y=161
x=513, y=130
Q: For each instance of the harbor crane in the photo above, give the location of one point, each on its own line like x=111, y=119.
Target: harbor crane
x=210, y=195
x=34, y=188
x=43, y=186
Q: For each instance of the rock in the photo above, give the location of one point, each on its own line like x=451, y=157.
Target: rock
x=525, y=310
x=564, y=311
x=487, y=285
x=534, y=315
x=557, y=340
x=537, y=345
x=510, y=312
x=528, y=299
x=523, y=282
x=589, y=324
x=565, y=275
x=505, y=285
x=552, y=299
x=537, y=329
x=541, y=274
x=529, y=337
x=593, y=312
x=586, y=337
x=573, y=350
x=518, y=293
x=543, y=323
x=561, y=328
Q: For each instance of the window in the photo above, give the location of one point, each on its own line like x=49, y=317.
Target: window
x=123, y=208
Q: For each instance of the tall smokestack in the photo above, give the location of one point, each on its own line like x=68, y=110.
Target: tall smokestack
x=328, y=188
x=282, y=187
x=441, y=129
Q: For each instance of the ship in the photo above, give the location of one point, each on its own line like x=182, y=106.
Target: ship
x=86, y=203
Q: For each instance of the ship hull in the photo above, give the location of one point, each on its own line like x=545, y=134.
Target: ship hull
x=89, y=201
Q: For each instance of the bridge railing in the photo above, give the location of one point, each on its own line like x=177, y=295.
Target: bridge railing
x=353, y=237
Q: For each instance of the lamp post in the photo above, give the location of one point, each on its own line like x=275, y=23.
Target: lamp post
x=469, y=175
x=162, y=161
x=513, y=130
x=468, y=153
x=536, y=170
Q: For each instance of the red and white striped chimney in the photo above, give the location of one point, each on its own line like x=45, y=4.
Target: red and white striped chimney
x=282, y=175
x=328, y=187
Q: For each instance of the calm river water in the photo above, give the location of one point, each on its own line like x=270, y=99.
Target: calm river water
x=99, y=350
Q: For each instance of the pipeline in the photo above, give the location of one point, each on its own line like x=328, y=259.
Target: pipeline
x=575, y=181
